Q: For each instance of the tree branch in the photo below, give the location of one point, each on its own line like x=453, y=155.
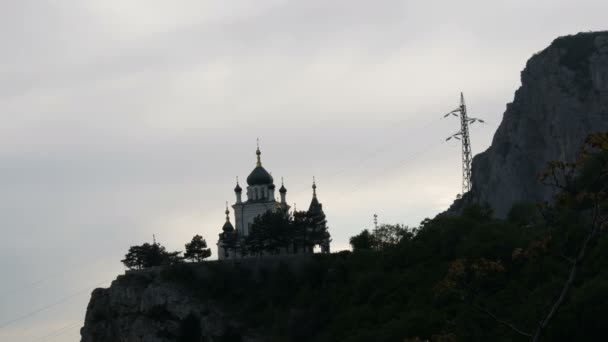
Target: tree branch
x=573, y=270
x=503, y=322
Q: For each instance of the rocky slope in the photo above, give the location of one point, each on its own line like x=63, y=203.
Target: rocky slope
x=184, y=303
x=140, y=307
x=562, y=99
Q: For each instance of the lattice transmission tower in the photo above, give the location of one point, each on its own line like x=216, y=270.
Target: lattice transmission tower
x=463, y=136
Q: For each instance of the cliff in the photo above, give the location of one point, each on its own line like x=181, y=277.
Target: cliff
x=562, y=99
x=142, y=306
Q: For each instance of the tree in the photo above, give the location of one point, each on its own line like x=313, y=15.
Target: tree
x=317, y=234
x=269, y=233
x=363, y=241
x=385, y=236
x=149, y=255
x=388, y=235
x=299, y=230
x=583, y=193
x=196, y=250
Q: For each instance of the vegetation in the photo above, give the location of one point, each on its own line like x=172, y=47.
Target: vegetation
x=196, y=250
x=277, y=231
x=149, y=255
x=540, y=275
x=382, y=237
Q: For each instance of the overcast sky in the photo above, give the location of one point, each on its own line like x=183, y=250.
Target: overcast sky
x=123, y=118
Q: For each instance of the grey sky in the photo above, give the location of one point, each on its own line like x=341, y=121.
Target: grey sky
x=123, y=119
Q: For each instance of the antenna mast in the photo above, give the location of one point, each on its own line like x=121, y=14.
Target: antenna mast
x=463, y=136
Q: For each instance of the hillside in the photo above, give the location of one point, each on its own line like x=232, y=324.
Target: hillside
x=384, y=295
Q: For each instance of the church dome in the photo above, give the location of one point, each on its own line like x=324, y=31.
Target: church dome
x=228, y=227
x=259, y=176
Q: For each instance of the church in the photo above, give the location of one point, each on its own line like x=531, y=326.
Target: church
x=260, y=200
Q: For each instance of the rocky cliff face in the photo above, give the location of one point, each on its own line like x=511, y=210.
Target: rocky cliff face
x=192, y=302
x=562, y=99
x=143, y=306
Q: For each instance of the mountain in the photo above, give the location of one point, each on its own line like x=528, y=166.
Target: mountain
x=563, y=98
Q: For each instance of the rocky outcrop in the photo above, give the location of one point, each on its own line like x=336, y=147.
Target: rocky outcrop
x=142, y=306
x=562, y=99
x=190, y=302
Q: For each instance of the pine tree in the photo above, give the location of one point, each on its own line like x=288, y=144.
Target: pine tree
x=318, y=234
x=197, y=249
x=149, y=255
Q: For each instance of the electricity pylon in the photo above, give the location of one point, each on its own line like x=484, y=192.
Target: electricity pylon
x=463, y=136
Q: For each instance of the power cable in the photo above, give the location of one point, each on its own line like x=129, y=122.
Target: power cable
x=56, y=333
x=49, y=306
x=50, y=276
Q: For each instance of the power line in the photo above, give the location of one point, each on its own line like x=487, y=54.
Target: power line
x=410, y=157
x=375, y=152
x=49, y=306
x=56, y=333
x=379, y=150
x=56, y=274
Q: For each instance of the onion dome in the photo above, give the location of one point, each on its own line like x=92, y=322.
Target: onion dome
x=259, y=175
x=238, y=187
x=282, y=189
x=227, y=226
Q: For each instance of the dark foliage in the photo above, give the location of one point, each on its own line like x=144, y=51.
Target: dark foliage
x=149, y=255
x=196, y=250
x=363, y=241
x=383, y=237
x=276, y=231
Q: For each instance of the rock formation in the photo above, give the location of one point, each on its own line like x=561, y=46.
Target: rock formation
x=190, y=302
x=142, y=306
x=562, y=99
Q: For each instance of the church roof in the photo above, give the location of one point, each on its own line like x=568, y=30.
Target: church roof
x=259, y=176
x=228, y=227
x=315, y=207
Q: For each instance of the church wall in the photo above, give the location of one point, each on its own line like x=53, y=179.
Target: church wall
x=245, y=213
x=253, y=210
